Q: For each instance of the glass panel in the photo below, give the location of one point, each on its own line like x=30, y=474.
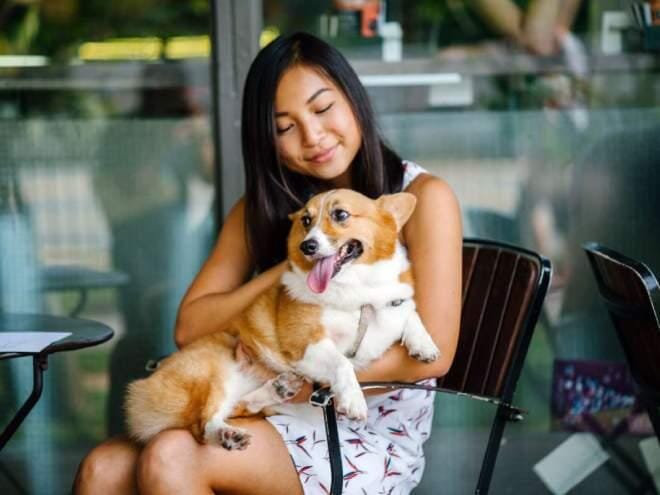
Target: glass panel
x=543, y=117
x=106, y=182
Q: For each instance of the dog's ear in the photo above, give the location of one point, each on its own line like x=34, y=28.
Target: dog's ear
x=399, y=205
x=295, y=214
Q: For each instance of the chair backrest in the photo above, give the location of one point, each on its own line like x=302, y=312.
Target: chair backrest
x=485, y=223
x=503, y=291
x=631, y=294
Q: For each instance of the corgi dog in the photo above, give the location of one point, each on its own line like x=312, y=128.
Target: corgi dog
x=344, y=254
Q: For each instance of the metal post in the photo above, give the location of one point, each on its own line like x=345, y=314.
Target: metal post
x=235, y=31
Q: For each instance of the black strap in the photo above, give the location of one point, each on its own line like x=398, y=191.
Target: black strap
x=334, y=449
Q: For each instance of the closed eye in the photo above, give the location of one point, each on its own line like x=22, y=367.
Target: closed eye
x=323, y=110
x=282, y=131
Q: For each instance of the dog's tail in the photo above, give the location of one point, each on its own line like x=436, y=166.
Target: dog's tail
x=150, y=409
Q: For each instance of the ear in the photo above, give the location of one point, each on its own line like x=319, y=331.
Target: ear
x=399, y=205
x=295, y=214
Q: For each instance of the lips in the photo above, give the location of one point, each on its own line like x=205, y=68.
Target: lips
x=323, y=156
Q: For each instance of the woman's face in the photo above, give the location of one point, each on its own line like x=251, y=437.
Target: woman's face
x=317, y=132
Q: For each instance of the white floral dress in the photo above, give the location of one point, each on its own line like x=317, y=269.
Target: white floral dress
x=382, y=456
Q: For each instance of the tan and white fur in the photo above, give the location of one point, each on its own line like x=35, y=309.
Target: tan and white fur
x=344, y=252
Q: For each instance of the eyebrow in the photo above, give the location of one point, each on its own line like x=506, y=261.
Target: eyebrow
x=309, y=100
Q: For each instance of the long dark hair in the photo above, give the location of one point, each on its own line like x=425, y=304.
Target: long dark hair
x=272, y=191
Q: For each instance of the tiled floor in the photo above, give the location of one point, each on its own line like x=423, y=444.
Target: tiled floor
x=454, y=459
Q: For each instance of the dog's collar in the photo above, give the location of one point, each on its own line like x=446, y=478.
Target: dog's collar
x=367, y=313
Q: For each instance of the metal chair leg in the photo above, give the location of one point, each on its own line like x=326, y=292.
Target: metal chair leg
x=493, y=447
x=39, y=365
x=642, y=479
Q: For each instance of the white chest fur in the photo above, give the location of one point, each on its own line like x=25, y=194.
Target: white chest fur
x=384, y=328
x=355, y=286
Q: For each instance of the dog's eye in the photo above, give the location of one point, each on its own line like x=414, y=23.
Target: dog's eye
x=340, y=215
x=306, y=221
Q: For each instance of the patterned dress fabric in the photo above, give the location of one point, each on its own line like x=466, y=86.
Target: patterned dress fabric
x=382, y=456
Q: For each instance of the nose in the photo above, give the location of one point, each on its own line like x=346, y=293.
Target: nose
x=309, y=247
x=312, y=132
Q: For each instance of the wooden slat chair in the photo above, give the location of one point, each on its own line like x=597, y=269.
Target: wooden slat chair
x=631, y=294
x=503, y=291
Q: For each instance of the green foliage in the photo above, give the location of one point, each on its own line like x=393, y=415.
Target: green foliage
x=431, y=11
x=56, y=27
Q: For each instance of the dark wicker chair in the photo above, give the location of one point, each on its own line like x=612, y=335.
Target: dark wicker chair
x=631, y=295
x=503, y=290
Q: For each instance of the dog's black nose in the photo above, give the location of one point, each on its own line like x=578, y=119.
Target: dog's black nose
x=309, y=247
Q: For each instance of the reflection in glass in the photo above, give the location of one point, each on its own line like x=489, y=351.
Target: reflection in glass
x=105, y=164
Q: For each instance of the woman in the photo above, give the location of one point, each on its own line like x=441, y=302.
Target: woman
x=307, y=127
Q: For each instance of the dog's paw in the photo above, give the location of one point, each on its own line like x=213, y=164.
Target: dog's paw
x=352, y=404
x=426, y=356
x=287, y=385
x=232, y=438
x=426, y=353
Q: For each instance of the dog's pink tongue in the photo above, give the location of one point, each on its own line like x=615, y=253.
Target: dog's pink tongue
x=321, y=273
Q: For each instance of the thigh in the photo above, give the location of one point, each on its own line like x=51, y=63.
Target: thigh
x=264, y=467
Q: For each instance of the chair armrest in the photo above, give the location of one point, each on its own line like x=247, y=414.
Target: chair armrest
x=322, y=396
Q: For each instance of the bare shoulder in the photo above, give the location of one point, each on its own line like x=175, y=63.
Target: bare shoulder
x=435, y=198
x=429, y=188
x=237, y=213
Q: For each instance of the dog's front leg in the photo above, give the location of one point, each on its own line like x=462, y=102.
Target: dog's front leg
x=323, y=363
x=418, y=341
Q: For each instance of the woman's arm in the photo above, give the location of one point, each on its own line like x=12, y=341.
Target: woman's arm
x=434, y=237
x=219, y=292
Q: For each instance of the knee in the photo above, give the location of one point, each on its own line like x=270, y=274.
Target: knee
x=165, y=460
x=109, y=468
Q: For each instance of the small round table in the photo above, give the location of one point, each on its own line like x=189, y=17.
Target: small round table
x=84, y=333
